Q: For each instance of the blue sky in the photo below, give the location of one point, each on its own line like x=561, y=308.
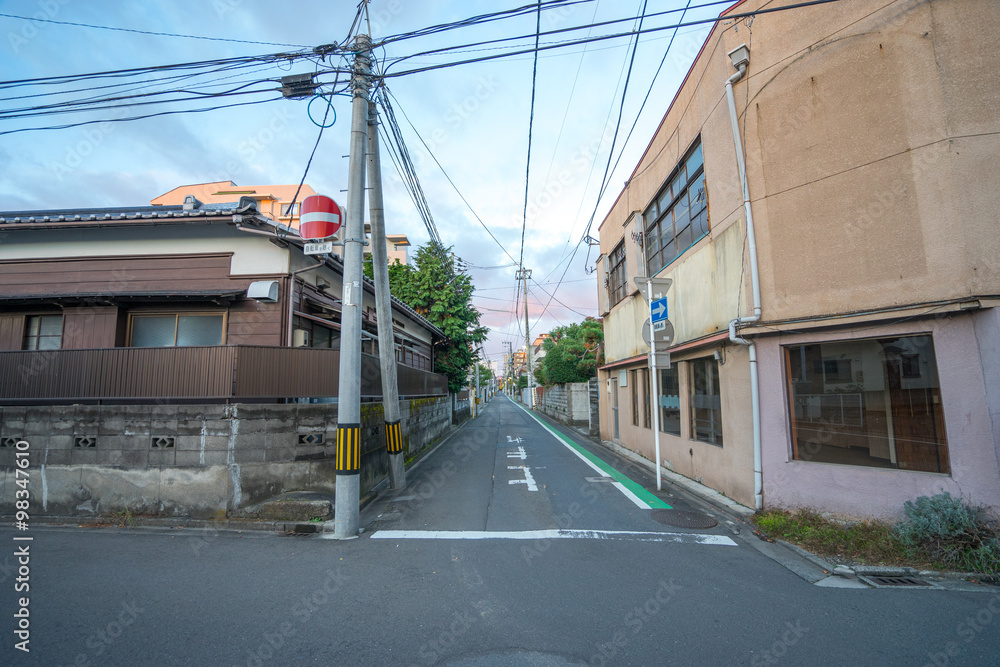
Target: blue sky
x=474, y=118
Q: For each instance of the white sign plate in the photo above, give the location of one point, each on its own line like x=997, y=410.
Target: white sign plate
x=318, y=248
x=660, y=326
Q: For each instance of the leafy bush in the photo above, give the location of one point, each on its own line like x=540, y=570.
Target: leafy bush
x=950, y=531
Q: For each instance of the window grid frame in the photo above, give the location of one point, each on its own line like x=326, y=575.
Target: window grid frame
x=37, y=338
x=617, y=275
x=654, y=244
x=177, y=315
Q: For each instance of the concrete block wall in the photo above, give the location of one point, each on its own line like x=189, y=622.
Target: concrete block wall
x=202, y=461
x=594, y=395
x=569, y=403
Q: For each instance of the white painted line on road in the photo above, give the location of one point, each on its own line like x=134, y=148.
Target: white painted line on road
x=621, y=487
x=519, y=454
x=528, y=479
x=554, y=534
x=631, y=496
x=517, y=440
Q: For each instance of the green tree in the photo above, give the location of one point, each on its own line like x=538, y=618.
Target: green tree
x=436, y=290
x=571, y=353
x=485, y=375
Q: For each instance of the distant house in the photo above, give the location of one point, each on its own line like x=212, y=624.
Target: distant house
x=188, y=336
x=273, y=201
x=836, y=330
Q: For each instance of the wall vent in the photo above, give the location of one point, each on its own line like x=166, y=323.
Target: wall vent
x=311, y=438
x=161, y=442
x=85, y=441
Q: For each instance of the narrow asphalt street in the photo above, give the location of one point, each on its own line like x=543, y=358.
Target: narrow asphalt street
x=516, y=542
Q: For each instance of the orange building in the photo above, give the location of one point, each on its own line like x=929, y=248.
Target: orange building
x=274, y=201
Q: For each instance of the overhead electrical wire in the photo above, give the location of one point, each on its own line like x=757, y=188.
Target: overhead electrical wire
x=131, y=118
x=548, y=45
x=482, y=19
x=449, y=179
x=35, y=19
x=404, y=163
x=531, y=123
x=587, y=40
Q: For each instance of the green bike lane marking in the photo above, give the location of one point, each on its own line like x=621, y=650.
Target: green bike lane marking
x=635, y=492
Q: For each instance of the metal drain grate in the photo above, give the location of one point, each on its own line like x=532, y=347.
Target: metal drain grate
x=683, y=519
x=884, y=581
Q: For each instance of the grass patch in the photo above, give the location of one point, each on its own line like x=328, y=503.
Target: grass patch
x=869, y=542
x=940, y=532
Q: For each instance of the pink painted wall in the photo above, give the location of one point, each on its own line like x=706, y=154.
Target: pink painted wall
x=967, y=347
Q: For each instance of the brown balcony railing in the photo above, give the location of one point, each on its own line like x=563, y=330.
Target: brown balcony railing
x=229, y=372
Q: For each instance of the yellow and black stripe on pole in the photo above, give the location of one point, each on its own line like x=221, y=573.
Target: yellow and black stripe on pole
x=393, y=437
x=348, y=449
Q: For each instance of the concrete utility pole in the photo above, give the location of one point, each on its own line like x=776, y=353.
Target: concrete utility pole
x=525, y=274
x=346, y=519
x=477, y=385
x=383, y=310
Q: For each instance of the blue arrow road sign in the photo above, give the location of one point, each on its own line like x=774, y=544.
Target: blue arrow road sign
x=658, y=311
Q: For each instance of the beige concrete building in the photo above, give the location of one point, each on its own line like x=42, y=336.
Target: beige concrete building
x=841, y=351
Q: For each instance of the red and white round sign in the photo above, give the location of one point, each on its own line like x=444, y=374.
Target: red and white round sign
x=320, y=217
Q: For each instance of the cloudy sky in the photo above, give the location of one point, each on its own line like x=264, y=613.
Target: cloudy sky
x=474, y=119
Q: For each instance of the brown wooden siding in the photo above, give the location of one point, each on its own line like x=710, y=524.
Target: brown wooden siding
x=255, y=323
x=224, y=372
x=116, y=275
x=11, y=331
x=90, y=327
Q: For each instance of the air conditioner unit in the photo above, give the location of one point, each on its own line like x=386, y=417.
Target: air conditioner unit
x=263, y=290
x=300, y=338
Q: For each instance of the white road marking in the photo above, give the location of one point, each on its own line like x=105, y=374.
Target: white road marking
x=621, y=487
x=528, y=479
x=517, y=440
x=519, y=454
x=631, y=496
x=554, y=534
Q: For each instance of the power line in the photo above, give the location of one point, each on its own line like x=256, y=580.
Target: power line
x=600, y=38
x=131, y=118
x=559, y=31
x=405, y=166
x=457, y=191
x=531, y=122
x=481, y=19
x=35, y=19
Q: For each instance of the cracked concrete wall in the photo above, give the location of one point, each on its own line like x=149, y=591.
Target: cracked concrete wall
x=200, y=461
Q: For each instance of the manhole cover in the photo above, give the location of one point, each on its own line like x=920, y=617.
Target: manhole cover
x=683, y=519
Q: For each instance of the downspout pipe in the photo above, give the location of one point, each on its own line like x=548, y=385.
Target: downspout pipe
x=740, y=57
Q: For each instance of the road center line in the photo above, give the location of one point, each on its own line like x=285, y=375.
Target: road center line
x=633, y=491
x=555, y=534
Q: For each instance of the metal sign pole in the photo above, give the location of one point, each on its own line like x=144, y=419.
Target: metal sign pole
x=656, y=385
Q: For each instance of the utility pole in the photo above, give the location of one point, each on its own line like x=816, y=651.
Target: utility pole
x=524, y=274
x=383, y=310
x=477, y=385
x=347, y=516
